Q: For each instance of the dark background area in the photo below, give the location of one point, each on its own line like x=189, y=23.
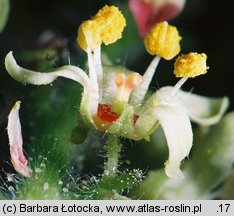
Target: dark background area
x=206, y=26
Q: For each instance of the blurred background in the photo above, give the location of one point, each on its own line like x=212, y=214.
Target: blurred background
x=43, y=34
x=206, y=26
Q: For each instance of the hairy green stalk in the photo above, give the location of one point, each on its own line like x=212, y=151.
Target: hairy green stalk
x=113, y=148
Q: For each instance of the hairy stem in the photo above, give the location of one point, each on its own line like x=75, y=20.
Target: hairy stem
x=113, y=148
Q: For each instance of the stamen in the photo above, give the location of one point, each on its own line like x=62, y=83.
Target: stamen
x=163, y=40
x=139, y=93
x=89, y=35
x=111, y=22
x=124, y=89
x=106, y=26
x=99, y=69
x=178, y=85
x=190, y=65
x=93, y=78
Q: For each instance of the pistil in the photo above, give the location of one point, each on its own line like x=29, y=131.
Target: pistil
x=125, y=85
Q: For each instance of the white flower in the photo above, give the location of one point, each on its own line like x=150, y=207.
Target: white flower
x=113, y=97
x=174, y=109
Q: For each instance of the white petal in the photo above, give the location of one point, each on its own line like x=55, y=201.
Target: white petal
x=37, y=78
x=16, y=142
x=179, y=136
x=203, y=110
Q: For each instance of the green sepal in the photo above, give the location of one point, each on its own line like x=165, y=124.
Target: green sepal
x=124, y=125
x=145, y=125
x=84, y=110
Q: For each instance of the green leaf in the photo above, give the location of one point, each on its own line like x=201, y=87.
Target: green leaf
x=213, y=155
x=44, y=183
x=226, y=192
x=108, y=186
x=151, y=186
x=4, y=11
x=2, y=197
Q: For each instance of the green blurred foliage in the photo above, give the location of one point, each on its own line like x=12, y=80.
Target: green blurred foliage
x=209, y=164
x=4, y=13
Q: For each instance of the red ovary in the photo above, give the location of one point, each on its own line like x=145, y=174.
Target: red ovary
x=105, y=114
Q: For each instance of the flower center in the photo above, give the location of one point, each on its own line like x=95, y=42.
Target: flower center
x=125, y=85
x=106, y=117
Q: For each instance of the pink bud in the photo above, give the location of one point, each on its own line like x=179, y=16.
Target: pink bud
x=149, y=12
x=16, y=142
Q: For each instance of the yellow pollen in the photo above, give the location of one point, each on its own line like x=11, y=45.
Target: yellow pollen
x=106, y=26
x=112, y=23
x=190, y=65
x=163, y=40
x=89, y=35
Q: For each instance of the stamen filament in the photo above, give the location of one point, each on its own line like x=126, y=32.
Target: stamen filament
x=139, y=93
x=93, y=76
x=99, y=69
x=179, y=84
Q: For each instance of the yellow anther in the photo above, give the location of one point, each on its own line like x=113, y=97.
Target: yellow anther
x=155, y=103
x=111, y=22
x=124, y=89
x=89, y=35
x=190, y=65
x=163, y=40
x=106, y=26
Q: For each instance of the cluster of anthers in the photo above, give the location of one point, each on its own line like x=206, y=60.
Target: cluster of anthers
x=114, y=101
